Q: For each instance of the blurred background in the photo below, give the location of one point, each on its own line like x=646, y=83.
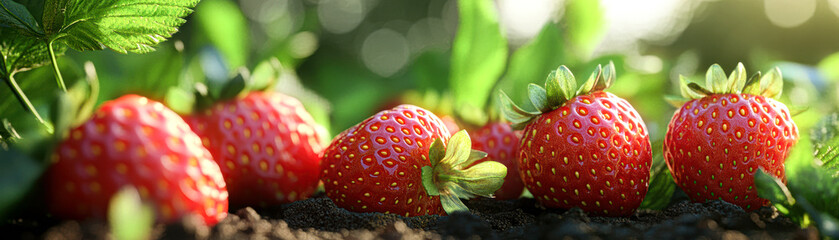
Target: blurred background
x=347, y=59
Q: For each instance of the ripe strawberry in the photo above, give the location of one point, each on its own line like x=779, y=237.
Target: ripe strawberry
x=391, y=163
x=501, y=144
x=267, y=146
x=588, y=149
x=719, y=139
x=133, y=141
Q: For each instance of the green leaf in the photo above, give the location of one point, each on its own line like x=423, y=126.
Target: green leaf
x=436, y=152
x=608, y=77
x=771, y=188
x=18, y=174
x=179, y=100
x=128, y=217
x=539, y=97
x=699, y=89
x=715, y=79
x=531, y=61
x=737, y=79
x=121, y=25
x=772, y=84
x=585, y=24
x=513, y=113
x=53, y=17
x=567, y=83
x=483, y=179
x=451, y=203
x=753, y=84
x=428, y=181
x=686, y=90
x=479, y=53
x=593, y=80
x=661, y=187
x=15, y=15
x=825, y=138
x=232, y=88
x=225, y=26
x=265, y=75
x=24, y=53
x=458, y=149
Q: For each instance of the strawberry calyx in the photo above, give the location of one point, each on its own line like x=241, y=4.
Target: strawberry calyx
x=770, y=85
x=452, y=176
x=560, y=86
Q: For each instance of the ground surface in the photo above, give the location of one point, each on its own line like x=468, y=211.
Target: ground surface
x=319, y=218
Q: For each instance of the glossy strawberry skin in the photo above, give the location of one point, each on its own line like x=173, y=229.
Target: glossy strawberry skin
x=593, y=152
x=375, y=166
x=715, y=144
x=267, y=146
x=501, y=144
x=133, y=141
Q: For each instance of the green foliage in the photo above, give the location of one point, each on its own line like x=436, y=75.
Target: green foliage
x=531, y=61
x=18, y=174
x=479, y=53
x=129, y=217
x=121, y=25
x=585, y=18
x=24, y=53
x=825, y=137
x=661, y=187
x=15, y=15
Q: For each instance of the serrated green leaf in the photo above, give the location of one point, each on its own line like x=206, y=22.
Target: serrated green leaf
x=121, y=25
x=531, y=61
x=737, y=79
x=825, y=138
x=479, y=53
x=225, y=26
x=17, y=176
x=53, y=17
x=715, y=79
x=128, y=217
x=593, y=80
x=661, y=187
x=16, y=16
x=752, y=85
x=567, y=82
x=772, y=84
x=585, y=24
x=23, y=53
x=539, y=97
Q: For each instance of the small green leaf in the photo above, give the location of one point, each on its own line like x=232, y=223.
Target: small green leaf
x=539, y=97
x=699, y=89
x=436, y=152
x=479, y=53
x=428, y=181
x=737, y=79
x=15, y=15
x=458, y=149
x=128, y=217
x=234, y=86
x=825, y=138
x=121, y=25
x=483, y=179
x=513, y=113
x=715, y=79
x=771, y=188
x=686, y=90
x=593, y=80
x=753, y=84
x=265, y=75
x=63, y=112
x=452, y=204
x=474, y=156
x=179, y=100
x=661, y=187
x=772, y=84
x=553, y=91
x=17, y=177
x=567, y=82
x=608, y=78
x=8, y=134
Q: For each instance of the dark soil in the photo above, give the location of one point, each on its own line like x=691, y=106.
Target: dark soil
x=319, y=218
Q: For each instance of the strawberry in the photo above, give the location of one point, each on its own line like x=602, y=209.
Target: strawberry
x=267, y=145
x=588, y=149
x=501, y=143
x=133, y=141
x=395, y=162
x=728, y=130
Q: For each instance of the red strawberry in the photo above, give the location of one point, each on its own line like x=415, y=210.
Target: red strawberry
x=133, y=141
x=588, y=149
x=719, y=139
x=500, y=143
x=391, y=163
x=267, y=146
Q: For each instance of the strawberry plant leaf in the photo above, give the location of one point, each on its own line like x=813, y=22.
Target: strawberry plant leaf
x=17, y=176
x=479, y=53
x=593, y=80
x=513, y=113
x=531, y=61
x=772, y=83
x=53, y=16
x=774, y=190
x=24, y=53
x=567, y=82
x=607, y=78
x=539, y=97
x=676, y=101
x=825, y=138
x=686, y=90
x=121, y=25
x=752, y=85
x=15, y=15
x=715, y=79
x=737, y=79
x=661, y=187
